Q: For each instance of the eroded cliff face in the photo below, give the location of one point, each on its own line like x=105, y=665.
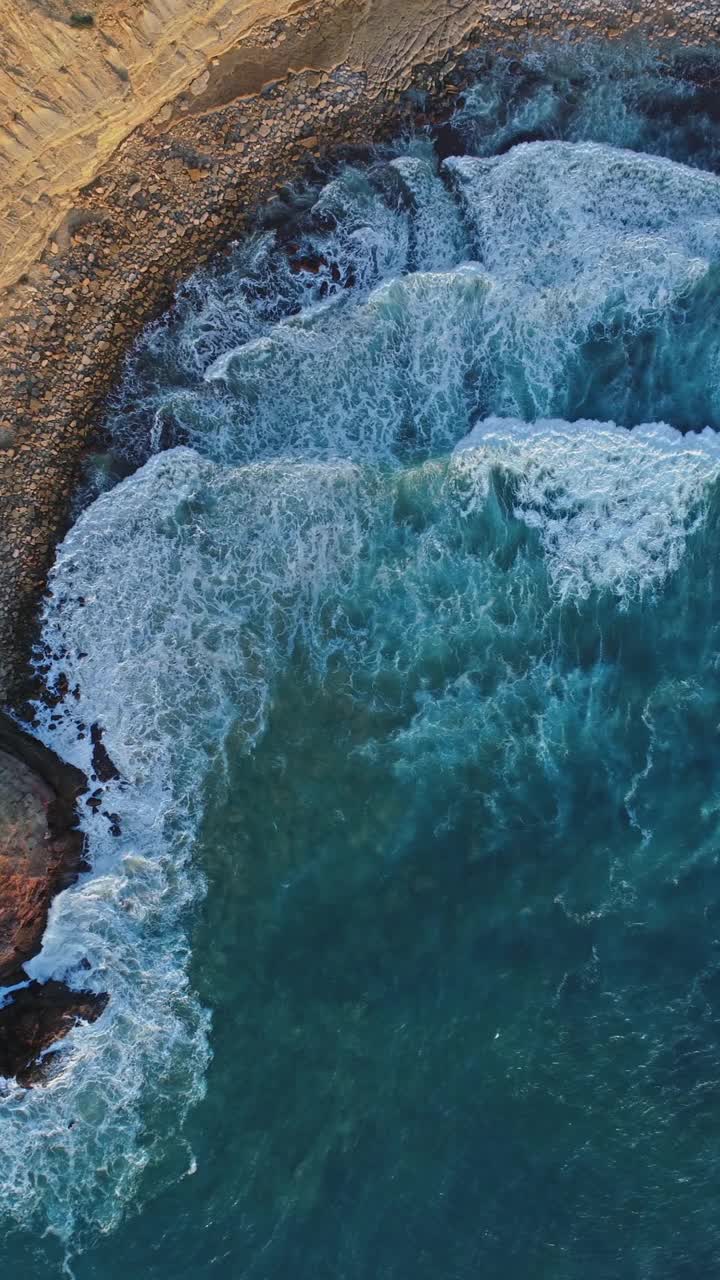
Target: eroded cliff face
x=70, y=94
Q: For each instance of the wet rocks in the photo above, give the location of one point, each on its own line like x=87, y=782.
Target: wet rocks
x=38, y=1017
x=41, y=853
x=103, y=767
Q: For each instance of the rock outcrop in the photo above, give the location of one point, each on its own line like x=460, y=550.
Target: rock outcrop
x=41, y=850
x=41, y=853
x=38, y=1017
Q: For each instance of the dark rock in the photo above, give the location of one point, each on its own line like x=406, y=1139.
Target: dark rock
x=65, y=780
x=37, y=1017
x=313, y=264
x=103, y=766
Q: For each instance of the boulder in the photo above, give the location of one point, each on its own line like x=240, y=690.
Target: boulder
x=41, y=853
x=41, y=850
x=38, y=1017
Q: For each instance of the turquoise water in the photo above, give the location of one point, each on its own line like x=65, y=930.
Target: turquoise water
x=403, y=627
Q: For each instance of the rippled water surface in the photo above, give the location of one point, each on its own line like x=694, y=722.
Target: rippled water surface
x=397, y=598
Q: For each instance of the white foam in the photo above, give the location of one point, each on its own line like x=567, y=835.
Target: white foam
x=172, y=599
x=579, y=238
x=613, y=508
x=574, y=242
x=439, y=237
x=560, y=215
x=369, y=237
x=367, y=382
x=178, y=596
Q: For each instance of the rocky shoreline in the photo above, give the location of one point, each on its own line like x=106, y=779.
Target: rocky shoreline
x=41, y=853
x=183, y=184
x=172, y=200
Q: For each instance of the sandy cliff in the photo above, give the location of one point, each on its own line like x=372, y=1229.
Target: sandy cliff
x=69, y=95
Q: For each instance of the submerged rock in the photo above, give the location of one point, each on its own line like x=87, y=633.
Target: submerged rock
x=38, y=1017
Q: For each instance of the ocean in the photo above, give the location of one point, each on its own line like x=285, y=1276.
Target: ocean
x=396, y=594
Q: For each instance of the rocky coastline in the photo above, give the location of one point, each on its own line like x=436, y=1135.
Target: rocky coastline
x=173, y=182
x=248, y=118
x=41, y=853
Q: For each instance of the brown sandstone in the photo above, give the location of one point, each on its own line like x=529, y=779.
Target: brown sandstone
x=41, y=853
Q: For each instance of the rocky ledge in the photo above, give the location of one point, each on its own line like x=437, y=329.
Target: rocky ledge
x=41, y=853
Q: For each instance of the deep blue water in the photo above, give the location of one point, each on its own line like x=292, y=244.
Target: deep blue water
x=403, y=627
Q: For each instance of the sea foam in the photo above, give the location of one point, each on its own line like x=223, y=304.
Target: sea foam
x=353, y=462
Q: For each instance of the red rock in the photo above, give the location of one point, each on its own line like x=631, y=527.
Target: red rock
x=41, y=851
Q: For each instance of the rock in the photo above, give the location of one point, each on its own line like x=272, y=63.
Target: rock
x=41, y=853
x=37, y=1017
x=103, y=766
x=313, y=264
x=41, y=850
